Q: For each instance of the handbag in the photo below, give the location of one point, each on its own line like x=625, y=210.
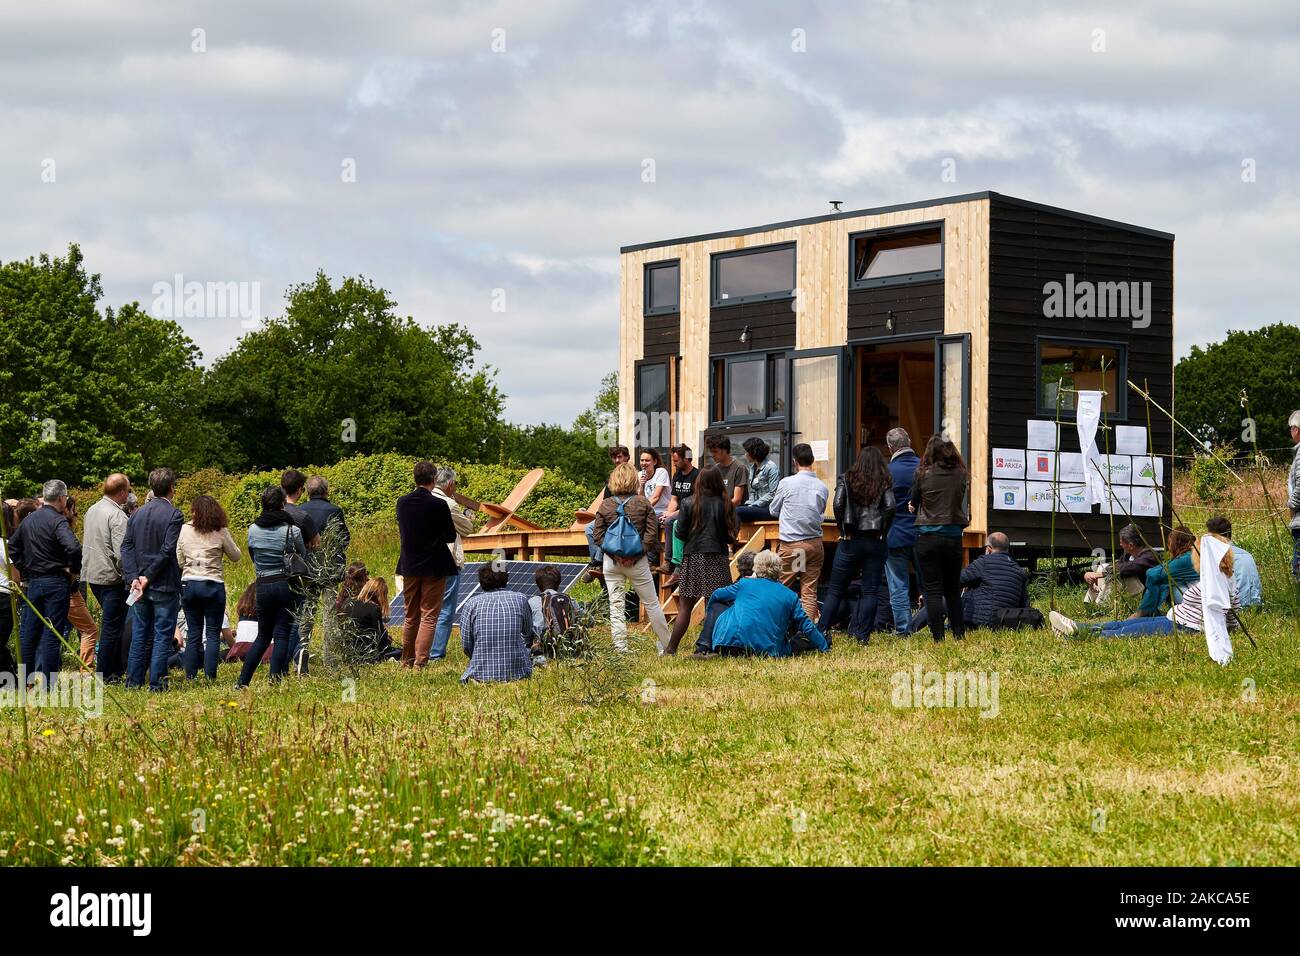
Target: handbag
x=295, y=565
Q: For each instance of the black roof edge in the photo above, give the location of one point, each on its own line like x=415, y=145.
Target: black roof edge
x=898, y=207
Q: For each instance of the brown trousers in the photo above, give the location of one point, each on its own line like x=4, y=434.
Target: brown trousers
x=808, y=556
x=79, y=617
x=423, y=599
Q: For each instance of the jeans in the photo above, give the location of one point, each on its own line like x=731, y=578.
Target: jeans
x=939, y=557
x=900, y=588
x=42, y=649
x=643, y=582
x=593, y=552
x=275, y=603
x=1295, y=554
x=1131, y=627
x=204, y=603
x=7, y=665
x=750, y=513
x=863, y=558
x=153, y=628
x=442, y=633
x=110, y=661
x=704, y=643
x=303, y=611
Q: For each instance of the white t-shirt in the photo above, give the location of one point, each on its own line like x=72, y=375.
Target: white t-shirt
x=660, y=480
x=246, y=632
x=4, y=568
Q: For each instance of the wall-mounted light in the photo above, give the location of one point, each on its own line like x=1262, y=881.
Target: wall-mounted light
x=889, y=321
x=744, y=335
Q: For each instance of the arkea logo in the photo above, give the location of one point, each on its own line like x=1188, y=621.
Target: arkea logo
x=75, y=909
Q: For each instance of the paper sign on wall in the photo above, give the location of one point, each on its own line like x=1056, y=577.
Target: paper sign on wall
x=1131, y=439
x=1074, y=498
x=1120, y=468
x=1120, y=503
x=1039, y=496
x=1040, y=465
x=1071, y=467
x=1042, y=435
x=1148, y=471
x=1147, y=502
x=1008, y=463
x=1008, y=495
x=821, y=450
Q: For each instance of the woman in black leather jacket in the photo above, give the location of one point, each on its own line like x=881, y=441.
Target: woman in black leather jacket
x=864, y=509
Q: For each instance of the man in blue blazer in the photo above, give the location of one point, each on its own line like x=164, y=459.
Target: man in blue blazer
x=149, y=567
x=902, y=533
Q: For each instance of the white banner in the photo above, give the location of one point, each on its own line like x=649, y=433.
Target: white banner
x=1087, y=407
x=1146, y=502
x=1120, y=503
x=1042, y=435
x=1040, y=465
x=1039, y=496
x=1148, y=471
x=1069, y=468
x=1131, y=439
x=1121, y=469
x=1074, y=498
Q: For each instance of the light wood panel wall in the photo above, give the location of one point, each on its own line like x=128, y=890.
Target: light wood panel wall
x=822, y=263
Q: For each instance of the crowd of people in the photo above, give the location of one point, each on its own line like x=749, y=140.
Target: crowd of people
x=159, y=579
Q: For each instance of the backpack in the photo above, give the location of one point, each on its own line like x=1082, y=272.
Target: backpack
x=622, y=540
x=1016, y=618
x=557, y=614
x=564, y=625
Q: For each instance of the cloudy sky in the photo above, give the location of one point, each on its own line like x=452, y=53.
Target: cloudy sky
x=479, y=169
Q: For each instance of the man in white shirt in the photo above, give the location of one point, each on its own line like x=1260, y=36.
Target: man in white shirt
x=799, y=506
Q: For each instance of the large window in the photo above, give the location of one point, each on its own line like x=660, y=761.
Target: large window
x=662, y=287
x=749, y=387
x=897, y=256
x=654, y=404
x=753, y=275
x=1069, y=367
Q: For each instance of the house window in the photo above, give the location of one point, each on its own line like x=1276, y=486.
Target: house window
x=897, y=256
x=653, y=405
x=662, y=287
x=749, y=387
x=1069, y=367
x=753, y=275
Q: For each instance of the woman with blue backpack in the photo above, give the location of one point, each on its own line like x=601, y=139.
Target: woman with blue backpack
x=626, y=529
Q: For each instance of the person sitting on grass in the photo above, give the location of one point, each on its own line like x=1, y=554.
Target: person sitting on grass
x=1166, y=583
x=1129, y=573
x=704, y=643
x=1186, y=615
x=245, y=624
x=761, y=615
x=1245, y=573
x=363, y=602
x=496, y=630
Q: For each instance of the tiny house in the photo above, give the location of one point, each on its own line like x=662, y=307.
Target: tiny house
x=977, y=316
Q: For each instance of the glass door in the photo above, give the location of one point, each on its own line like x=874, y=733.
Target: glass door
x=815, y=408
x=952, y=391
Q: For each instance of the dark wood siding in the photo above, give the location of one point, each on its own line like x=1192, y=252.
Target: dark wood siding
x=916, y=308
x=771, y=326
x=1027, y=249
x=662, y=335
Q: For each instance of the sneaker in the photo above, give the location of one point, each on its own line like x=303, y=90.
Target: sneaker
x=1061, y=624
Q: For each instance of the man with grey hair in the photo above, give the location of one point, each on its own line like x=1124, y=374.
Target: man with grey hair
x=332, y=526
x=48, y=554
x=903, y=462
x=1129, y=572
x=755, y=616
x=102, y=532
x=444, y=487
x=1293, y=494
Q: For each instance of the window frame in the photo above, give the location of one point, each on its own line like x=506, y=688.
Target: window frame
x=717, y=257
x=1121, y=375
x=667, y=363
x=647, y=309
x=906, y=278
x=718, y=402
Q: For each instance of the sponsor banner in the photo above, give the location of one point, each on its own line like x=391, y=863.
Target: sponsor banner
x=1070, y=466
x=1120, y=503
x=1008, y=495
x=1039, y=496
x=1147, y=502
x=1074, y=498
x=1008, y=463
x=1040, y=465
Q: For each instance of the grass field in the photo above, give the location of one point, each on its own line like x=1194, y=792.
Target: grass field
x=1100, y=753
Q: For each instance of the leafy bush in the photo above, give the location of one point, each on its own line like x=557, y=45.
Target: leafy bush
x=1210, y=478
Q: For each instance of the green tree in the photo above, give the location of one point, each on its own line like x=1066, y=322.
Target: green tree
x=341, y=374
x=1208, y=384
x=87, y=393
x=579, y=452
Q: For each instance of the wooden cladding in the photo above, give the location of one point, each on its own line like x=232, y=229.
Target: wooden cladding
x=914, y=309
x=771, y=325
x=662, y=336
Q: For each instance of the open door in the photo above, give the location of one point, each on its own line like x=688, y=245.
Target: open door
x=815, y=407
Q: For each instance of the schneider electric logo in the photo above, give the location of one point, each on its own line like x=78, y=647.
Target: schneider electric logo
x=77, y=909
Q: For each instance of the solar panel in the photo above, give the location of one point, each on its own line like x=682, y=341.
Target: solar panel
x=521, y=578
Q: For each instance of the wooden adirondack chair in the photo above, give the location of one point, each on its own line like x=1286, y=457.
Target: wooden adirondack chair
x=754, y=544
x=504, y=514
x=586, y=516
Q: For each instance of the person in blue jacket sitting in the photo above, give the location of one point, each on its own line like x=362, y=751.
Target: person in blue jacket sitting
x=762, y=614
